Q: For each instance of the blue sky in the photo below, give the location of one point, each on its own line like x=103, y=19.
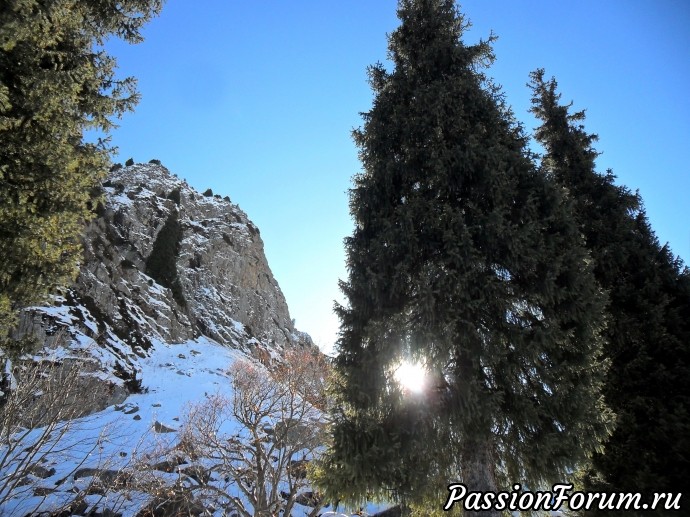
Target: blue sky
x=257, y=101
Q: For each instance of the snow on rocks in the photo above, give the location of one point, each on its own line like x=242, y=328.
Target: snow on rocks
x=148, y=356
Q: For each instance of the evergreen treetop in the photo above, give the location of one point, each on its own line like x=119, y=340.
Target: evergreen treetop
x=648, y=334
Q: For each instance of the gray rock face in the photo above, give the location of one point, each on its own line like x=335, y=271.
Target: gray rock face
x=221, y=265
x=116, y=311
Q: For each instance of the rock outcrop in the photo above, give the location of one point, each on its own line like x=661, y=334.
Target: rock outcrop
x=214, y=280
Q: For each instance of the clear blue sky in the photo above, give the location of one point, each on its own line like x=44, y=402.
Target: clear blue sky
x=257, y=100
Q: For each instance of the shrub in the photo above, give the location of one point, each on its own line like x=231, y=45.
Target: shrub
x=41, y=402
x=155, y=161
x=279, y=417
x=208, y=193
x=129, y=162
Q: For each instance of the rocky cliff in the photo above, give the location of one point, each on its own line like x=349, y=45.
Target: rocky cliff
x=173, y=293
x=164, y=263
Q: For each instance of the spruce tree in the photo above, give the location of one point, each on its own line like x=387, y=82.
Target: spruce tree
x=56, y=82
x=466, y=258
x=648, y=334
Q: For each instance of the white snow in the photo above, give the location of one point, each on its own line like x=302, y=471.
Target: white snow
x=174, y=377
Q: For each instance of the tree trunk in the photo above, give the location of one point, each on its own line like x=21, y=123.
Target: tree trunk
x=478, y=473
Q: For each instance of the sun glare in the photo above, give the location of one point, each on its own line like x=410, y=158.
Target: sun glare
x=411, y=376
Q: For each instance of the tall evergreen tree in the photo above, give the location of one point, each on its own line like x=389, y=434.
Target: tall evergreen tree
x=55, y=83
x=648, y=335
x=466, y=258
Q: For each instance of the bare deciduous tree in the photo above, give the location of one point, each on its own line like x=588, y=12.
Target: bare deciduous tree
x=248, y=452
x=39, y=402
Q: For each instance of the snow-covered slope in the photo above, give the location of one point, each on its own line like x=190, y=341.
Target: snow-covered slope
x=141, y=430
x=111, y=439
